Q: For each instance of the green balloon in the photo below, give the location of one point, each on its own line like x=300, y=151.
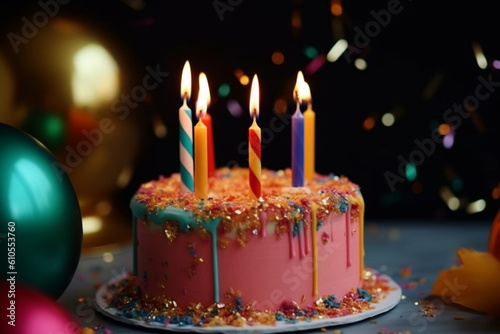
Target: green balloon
x=40, y=218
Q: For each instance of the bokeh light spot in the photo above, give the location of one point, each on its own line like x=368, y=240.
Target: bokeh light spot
x=336, y=7
x=277, y=58
x=234, y=108
x=444, y=129
x=369, y=123
x=280, y=105
x=224, y=90
x=244, y=80
x=411, y=172
x=388, y=119
x=310, y=52
x=360, y=64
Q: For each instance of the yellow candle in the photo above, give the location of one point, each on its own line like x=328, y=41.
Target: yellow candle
x=309, y=136
x=309, y=145
x=200, y=141
x=200, y=160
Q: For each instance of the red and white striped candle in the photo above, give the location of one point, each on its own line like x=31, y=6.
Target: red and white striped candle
x=254, y=145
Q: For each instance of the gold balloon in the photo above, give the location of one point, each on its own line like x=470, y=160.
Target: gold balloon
x=75, y=93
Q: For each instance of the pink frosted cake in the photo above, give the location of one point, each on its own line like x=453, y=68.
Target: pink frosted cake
x=233, y=260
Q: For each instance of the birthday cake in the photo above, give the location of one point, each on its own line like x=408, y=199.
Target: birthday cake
x=230, y=259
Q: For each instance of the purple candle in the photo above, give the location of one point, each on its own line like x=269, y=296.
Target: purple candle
x=297, y=148
x=298, y=136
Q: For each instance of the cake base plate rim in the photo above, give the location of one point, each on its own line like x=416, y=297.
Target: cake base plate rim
x=390, y=301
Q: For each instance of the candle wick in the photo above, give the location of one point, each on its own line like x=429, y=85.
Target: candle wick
x=186, y=95
x=254, y=114
x=201, y=113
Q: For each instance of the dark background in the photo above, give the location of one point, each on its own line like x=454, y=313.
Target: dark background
x=420, y=44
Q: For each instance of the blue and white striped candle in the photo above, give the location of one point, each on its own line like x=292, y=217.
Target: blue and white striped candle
x=186, y=133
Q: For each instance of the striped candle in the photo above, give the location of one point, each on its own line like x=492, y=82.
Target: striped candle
x=254, y=145
x=186, y=133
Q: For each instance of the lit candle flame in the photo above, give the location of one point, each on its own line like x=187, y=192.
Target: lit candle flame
x=305, y=92
x=204, y=82
x=254, y=98
x=300, y=80
x=301, y=92
x=186, y=81
x=203, y=97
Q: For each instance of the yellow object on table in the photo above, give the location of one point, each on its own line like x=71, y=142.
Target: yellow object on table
x=474, y=283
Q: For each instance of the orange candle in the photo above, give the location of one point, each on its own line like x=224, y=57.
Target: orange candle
x=309, y=135
x=254, y=145
x=200, y=142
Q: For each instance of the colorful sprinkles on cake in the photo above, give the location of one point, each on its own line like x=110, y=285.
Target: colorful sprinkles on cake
x=228, y=200
x=127, y=299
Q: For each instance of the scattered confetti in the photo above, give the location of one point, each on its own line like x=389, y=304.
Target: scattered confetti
x=405, y=272
x=427, y=308
x=126, y=298
x=101, y=329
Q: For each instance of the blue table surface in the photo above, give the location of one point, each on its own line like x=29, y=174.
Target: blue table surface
x=392, y=247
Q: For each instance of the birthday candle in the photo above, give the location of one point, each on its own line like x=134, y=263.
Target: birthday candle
x=207, y=120
x=200, y=142
x=254, y=144
x=298, y=137
x=309, y=136
x=186, y=132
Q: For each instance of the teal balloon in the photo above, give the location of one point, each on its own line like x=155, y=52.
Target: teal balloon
x=40, y=218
